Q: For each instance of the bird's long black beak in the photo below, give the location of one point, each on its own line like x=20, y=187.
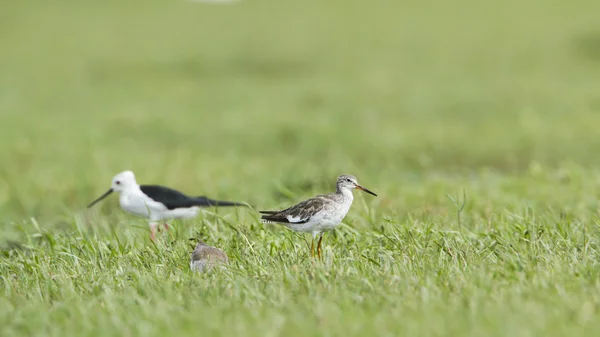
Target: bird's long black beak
x=101, y=197
x=364, y=189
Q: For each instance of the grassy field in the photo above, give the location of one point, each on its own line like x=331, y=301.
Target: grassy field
x=433, y=105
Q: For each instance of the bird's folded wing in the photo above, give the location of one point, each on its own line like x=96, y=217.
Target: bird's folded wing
x=299, y=213
x=167, y=196
x=204, y=201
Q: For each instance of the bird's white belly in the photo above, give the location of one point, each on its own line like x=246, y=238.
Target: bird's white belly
x=153, y=210
x=321, y=222
x=142, y=206
x=183, y=213
x=135, y=205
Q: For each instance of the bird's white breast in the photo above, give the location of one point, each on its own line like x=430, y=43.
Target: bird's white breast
x=139, y=204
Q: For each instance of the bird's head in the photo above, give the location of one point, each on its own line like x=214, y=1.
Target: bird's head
x=123, y=181
x=349, y=182
x=120, y=183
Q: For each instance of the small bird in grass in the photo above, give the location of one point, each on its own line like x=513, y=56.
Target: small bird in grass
x=157, y=203
x=204, y=257
x=319, y=214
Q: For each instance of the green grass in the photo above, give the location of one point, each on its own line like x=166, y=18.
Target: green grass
x=267, y=102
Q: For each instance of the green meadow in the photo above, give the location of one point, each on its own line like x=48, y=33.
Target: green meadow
x=475, y=122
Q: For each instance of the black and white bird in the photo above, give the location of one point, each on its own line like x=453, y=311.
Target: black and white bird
x=319, y=214
x=157, y=203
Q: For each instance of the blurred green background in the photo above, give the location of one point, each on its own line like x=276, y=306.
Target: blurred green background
x=268, y=102
x=258, y=100
x=207, y=97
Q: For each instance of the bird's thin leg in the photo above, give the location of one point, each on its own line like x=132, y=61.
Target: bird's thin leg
x=319, y=246
x=153, y=231
x=167, y=226
x=312, y=248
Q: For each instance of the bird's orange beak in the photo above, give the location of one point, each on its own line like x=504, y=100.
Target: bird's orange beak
x=364, y=189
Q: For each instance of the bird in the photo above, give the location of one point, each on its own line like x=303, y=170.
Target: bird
x=205, y=257
x=318, y=214
x=157, y=203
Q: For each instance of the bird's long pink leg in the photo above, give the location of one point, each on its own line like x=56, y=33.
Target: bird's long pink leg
x=152, y=231
x=167, y=226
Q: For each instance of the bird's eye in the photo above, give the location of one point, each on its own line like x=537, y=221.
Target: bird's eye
x=348, y=180
x=118, y=182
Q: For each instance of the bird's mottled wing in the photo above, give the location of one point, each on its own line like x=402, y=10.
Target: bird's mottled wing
x=299, y=213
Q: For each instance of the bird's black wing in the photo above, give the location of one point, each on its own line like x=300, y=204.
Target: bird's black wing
x=174, y=199
x=169, y=197
x=204, y=201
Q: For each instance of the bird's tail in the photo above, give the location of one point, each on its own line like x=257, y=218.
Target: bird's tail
x=204, y=201
x=271, y=216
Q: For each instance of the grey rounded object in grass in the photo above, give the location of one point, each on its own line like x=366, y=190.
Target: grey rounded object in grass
x=205, y=257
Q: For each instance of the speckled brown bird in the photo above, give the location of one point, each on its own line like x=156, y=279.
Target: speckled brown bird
x=205, y=257
x=319, y=214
